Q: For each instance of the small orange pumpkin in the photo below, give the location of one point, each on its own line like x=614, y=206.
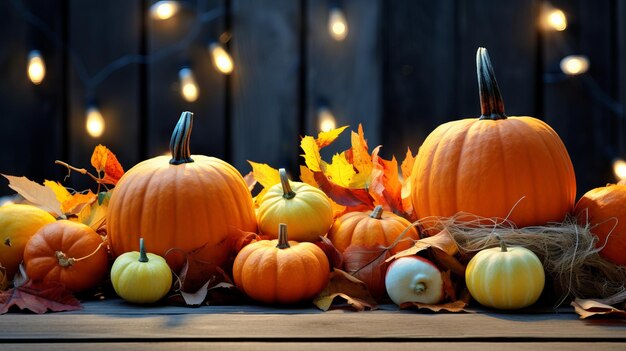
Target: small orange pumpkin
x=605, y=210
x=494, y=165
x=281, y=271
x=188, y=202
x=367, y=229
x=66, y=252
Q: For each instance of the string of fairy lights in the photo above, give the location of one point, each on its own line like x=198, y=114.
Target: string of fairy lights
x=552, y=19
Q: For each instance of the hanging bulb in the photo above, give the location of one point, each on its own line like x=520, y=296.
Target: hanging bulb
x=326, y=119
x=164, y=9
x=188, y=86
x=36, y=67
x=221, y=58
x=574, y=65
x=619, y=168
x=337, y=24
x=94, y=122
x=553, y=18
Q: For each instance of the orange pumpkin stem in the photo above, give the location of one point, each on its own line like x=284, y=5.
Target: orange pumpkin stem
x=491, y=103
x=377, y=212
x=288, y=193
x=283, y=241
x=142, y=252
x=179, y=143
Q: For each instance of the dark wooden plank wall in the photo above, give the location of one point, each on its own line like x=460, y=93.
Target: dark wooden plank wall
x=405, y=67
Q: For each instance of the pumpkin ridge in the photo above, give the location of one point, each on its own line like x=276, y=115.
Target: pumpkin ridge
x=431, y=175
x=459, y=160
x=503, y=172
x=534, y=200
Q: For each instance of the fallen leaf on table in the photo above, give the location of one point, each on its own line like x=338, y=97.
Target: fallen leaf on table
x=448, y=262
x=590, y=307
x=453, y=306
x=369, y=265
x=4, y=281
x=442, y=241
x=345, y=286
x=37, y=297
x=37, y=194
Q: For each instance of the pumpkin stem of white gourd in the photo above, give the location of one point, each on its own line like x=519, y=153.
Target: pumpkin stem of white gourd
x=491, y=103
x=179, y=143
x=143, y=257
x=283, y=240
x=377, y=212
x=503, y=247
x=420, y=288
x=288, y=193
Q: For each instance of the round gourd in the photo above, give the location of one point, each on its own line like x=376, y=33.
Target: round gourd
x=505, y=278
x=281, y=271
x=191, y=203
x=141, y=277
x=67, y=252
x=414, y=279
x=604, y=208
x=18, y=223
x=305, y=209
x=369, y=229
x=494, y=165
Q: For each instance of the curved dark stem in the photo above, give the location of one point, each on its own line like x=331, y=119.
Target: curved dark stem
x=491, y=104
x=179, y=144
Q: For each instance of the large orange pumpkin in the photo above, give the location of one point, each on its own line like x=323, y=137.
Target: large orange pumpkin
x=66, y=252
x=189, y=202
x=281, y=271
x=494, y=165
x=370, y=229
x=605, y=210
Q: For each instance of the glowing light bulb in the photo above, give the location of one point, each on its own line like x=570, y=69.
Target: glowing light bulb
x=337, y=24
x=221, y=59
x=619, y=168
x=36, y=67
x=188, y=86
x=164, y=9
x=94, y=122
x=573, y=65
x=326, y=119
x=553, y=18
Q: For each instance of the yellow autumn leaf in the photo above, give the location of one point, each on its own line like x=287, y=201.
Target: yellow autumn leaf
x=99, y=158
x=265, y=174
x=361, y=160
x=312, y=156
x=340, y=171
x=60, y=191
x=308, y=177
x=326, y=138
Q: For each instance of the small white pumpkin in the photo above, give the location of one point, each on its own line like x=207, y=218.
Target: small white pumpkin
x=414, y=279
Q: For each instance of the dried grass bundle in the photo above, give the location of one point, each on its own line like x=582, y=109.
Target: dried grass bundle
x=567, y=250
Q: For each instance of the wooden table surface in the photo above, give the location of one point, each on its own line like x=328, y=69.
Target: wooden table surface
x=114, y=324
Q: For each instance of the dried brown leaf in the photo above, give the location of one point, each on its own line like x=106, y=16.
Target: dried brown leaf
x=37, y=194
x=352, y=290
x=589, y=307
x=455, y=306
x=39, y=298
x=442, y=241
x=335, y=257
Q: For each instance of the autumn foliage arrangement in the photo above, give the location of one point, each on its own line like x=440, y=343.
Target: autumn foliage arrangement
x=361, y=229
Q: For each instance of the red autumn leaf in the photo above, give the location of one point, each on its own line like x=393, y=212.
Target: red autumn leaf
x=113, y=170
x=39, y=298
x=369, y=265
x=348, y=288
x=343, y=196
x=386, y=187
x=335, y=258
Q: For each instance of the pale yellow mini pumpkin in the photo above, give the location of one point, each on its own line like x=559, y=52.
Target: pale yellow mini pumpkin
x=505, y=278
x=141, y=277
x=305, y=209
